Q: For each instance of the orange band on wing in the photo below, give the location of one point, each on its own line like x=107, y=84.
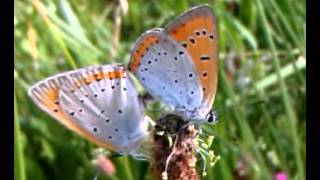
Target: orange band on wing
x=138, y=53
x=107, y=75
x=45, y=95
x=186, y=29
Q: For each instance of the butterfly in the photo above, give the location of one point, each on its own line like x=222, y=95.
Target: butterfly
x=99, y=103
x=177, y=64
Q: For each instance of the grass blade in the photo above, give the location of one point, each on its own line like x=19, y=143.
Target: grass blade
x=292, y=119
x=19, y=167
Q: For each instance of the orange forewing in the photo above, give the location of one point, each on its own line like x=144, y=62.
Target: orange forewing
x=196, y=31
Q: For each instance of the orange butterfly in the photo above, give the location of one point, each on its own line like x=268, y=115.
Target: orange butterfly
x=178, y=64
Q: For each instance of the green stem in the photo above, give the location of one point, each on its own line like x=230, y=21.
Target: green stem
x=63, y=46
x=54, y=31
x=245, y=130
x=19, y=168
x=292, y=120
x=123, y=164
x=128, y=168
x=289, y=51
x=223, y=166
x=286, y=72
x=285, y=22
x=273, y=133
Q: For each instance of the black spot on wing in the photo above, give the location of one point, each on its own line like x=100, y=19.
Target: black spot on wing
x=192, y=40
x=204, y=58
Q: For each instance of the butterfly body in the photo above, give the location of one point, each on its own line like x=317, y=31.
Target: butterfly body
x=177, y=64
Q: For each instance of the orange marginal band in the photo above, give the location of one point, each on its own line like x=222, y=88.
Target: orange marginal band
x=143, y=45
x=47, y=96
x=97, y=76
x=196, y=31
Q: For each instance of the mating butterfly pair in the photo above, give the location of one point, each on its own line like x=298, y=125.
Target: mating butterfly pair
x=176, y=64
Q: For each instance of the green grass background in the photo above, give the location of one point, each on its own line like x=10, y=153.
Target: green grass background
x=264, y=40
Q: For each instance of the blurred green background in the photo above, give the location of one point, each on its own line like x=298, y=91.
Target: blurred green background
x=261, y=89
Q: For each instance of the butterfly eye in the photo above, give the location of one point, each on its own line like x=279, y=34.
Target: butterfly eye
x=212, y=117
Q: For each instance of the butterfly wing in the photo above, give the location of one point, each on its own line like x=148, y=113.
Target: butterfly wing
x=196, y=31
x=164, y=69
x=98, y=102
